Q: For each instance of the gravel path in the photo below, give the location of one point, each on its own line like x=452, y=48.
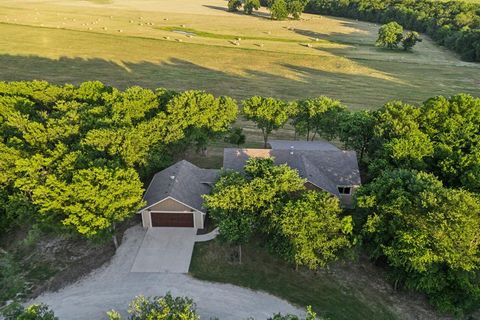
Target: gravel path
x=114, y=286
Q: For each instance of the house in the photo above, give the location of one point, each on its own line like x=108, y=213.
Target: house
x=174, y=196
x=323, y=165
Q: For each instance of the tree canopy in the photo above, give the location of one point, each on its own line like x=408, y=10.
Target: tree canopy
x=268, y=113
x=78, y=155
x=390, y=35
x=304, y=227
x=428, y=233
x=453, y=24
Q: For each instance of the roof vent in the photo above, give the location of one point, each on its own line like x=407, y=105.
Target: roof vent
x=172, y=177
x=291, y=150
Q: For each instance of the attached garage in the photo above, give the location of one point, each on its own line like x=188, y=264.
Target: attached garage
x=174, y=198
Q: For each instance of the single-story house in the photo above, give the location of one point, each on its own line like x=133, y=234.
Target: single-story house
x=174, y=196
x=323, y=165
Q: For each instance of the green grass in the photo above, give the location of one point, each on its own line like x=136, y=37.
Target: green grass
x=260, y=271
x=124, y=43
x=227, y=36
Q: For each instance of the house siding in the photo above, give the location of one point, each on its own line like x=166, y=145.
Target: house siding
x=170, y=205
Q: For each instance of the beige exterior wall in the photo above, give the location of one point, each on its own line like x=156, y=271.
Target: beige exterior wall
x=170, y=205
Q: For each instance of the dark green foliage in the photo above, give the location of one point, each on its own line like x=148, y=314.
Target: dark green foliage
x=250, y=5
x=279, y=10
x=234, y=5
x=268, y=113
x=16, y=311
x=427, y=233
x=75, y=156
x=390, y=35
x=454, y=24
x=303, y=227
x=235, y=136
x=317, y=116
x=410, y=39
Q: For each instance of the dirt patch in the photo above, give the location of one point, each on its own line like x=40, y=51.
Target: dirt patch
x=48, y=261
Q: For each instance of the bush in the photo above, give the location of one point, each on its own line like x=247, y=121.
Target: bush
x=16, y=311
x=159, y=308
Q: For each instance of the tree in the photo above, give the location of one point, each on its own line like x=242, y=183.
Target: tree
x=313, y=226
x=159, y=308
x=249, y=5
x=93, y=202
x=303, y=227
x=389, y=35
x=427, y=233
x=296, y=7
x=16, y=311
x=278, y=9
x=317, y=116
x=234, y=5
x=235, y=136
x=410, y=40
x=268, y=113
x=356, y=131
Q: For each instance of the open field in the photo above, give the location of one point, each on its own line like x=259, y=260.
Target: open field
x=189, y=44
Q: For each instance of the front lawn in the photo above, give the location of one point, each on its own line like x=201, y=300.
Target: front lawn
x=213, y=261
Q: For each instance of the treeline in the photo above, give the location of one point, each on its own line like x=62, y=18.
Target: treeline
x=453, y=24
x=418, y=211
x=78, y=157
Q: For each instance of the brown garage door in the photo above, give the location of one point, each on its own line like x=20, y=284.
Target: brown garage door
x=163, y=219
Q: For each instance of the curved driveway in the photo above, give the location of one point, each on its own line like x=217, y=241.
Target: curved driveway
x=114, y=286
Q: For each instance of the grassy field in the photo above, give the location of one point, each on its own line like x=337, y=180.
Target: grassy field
x=189, y=44
x=347, y=291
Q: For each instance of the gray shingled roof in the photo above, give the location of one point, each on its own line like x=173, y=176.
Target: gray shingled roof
x=182, y=181
x=327, y=169
x=302, y=145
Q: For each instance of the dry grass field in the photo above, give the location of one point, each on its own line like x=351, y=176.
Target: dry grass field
x=191, y=44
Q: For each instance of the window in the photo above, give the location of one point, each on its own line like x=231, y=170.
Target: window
x=344, y=190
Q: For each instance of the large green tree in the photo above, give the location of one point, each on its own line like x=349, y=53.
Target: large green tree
x=304, y=227
x=390, y=35
x=428, y=234
x=319, y=115
x=268, y=114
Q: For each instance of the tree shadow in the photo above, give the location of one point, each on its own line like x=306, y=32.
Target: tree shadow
x=355, y=90
x=256, y=14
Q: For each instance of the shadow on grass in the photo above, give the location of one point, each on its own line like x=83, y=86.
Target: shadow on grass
x=355, y=90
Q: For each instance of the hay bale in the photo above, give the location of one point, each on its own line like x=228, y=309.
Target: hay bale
x=309, y=45
x=165, y=19
x=182, y=25
x=179, y=40
x=120, y=30
x=239, y=39
x=166, y=38
x=316, y=39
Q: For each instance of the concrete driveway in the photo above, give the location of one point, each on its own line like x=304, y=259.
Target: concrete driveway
x=114, y=286
x=165, y=250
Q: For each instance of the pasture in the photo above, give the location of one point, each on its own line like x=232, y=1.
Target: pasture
x=189, y=44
